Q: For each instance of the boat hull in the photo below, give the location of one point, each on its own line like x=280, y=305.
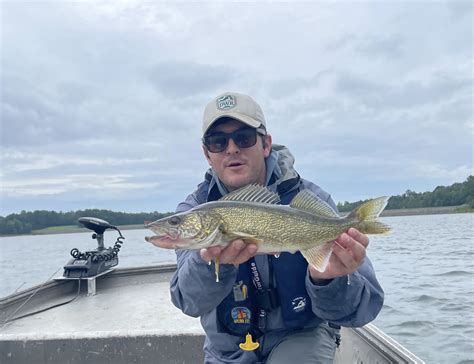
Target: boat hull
x=128, y=317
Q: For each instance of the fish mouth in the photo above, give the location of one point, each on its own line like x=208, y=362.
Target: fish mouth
x=163, y=241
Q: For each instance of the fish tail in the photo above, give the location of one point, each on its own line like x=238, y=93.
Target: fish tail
x=367, y=214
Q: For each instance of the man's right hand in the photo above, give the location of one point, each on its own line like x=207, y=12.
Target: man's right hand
x=237, y=252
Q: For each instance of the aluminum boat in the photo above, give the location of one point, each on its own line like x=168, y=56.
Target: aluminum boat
x=126, y=316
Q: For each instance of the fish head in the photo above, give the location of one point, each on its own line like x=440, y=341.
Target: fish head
x=188, y=230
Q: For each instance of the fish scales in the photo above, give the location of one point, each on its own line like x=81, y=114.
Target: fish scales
x=253, y=214
x=280, y=227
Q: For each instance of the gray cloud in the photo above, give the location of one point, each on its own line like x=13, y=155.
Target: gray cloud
x=386, y=46
x=101, y=102
x=175, y=79
x=404, y=95
x=460, y=9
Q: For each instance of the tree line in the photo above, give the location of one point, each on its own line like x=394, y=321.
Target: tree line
x=455, y=195
x=26, y=221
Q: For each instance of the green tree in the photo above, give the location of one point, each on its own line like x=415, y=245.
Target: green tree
x=455, y=195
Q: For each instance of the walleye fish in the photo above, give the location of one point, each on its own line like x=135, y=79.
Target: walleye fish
x=252, y=213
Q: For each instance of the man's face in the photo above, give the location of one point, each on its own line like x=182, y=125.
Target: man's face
x=238, y=167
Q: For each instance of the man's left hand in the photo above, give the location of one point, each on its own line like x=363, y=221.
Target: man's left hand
x=347, y=256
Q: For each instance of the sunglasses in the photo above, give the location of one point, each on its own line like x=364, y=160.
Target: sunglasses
x=243, y=138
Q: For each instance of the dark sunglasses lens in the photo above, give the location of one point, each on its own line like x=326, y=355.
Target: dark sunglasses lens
x=216, y=143
x=245, y=138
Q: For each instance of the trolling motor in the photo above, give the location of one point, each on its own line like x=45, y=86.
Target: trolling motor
x=94, y=262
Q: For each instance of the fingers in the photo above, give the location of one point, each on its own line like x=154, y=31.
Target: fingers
x=245, y=254
x=236, y=252
x=350, y=249
x=232, y=252
x=359, y=237
x=348, y=255
x=210, y=254
x=345, y=259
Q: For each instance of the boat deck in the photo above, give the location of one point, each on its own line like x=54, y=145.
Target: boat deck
x=137, y=304
x=131, y=319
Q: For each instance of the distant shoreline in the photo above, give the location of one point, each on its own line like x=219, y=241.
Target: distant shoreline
x=385, y=213
x=426, y=211
x=69, y=230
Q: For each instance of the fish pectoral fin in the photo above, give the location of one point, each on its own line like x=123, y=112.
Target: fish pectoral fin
x=247, y=238
x=319, y=256
x=252, y=241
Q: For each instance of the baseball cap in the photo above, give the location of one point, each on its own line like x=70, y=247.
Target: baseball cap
x=234, y=105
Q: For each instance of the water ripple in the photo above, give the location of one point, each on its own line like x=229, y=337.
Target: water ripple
x=455, y=274
x=456, y=307
x=424, y=298
x=415, y=324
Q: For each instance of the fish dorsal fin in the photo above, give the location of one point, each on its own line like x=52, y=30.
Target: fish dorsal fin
x=306, y=200
x=252, y=193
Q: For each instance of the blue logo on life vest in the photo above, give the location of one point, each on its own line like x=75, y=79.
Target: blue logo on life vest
x=299, y=304
x=241, y=315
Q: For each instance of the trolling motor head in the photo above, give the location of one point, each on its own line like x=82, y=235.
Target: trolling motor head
x=99, y=226
x=92, y=263
x=95, y=224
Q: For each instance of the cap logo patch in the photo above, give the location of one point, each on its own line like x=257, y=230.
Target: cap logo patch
x=226, y=102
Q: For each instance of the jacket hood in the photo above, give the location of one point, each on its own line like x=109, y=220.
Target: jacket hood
x=281, y=175
x=283, y=170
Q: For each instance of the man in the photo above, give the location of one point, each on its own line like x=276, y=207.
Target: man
x=289, y=308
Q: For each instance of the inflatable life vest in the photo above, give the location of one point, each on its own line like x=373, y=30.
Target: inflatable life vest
x=241, y=311
x=244, y=309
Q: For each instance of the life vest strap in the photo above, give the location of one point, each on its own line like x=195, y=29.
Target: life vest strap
x=267, y=299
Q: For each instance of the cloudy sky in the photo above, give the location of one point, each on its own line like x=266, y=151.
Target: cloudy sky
x=101, y=102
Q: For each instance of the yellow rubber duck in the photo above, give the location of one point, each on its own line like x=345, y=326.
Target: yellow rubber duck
x=249, y=345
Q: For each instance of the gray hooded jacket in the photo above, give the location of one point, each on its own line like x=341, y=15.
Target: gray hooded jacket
x=352, y=301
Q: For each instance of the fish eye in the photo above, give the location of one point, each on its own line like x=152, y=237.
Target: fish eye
x=174, y=220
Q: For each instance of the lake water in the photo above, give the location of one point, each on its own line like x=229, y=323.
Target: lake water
x=426, y=267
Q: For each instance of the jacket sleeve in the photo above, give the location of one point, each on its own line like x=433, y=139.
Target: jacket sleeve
x=353, y=300
x=193, y=287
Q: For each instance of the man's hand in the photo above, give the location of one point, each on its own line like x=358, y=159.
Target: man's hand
x=237, y=252
x=347, y=256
